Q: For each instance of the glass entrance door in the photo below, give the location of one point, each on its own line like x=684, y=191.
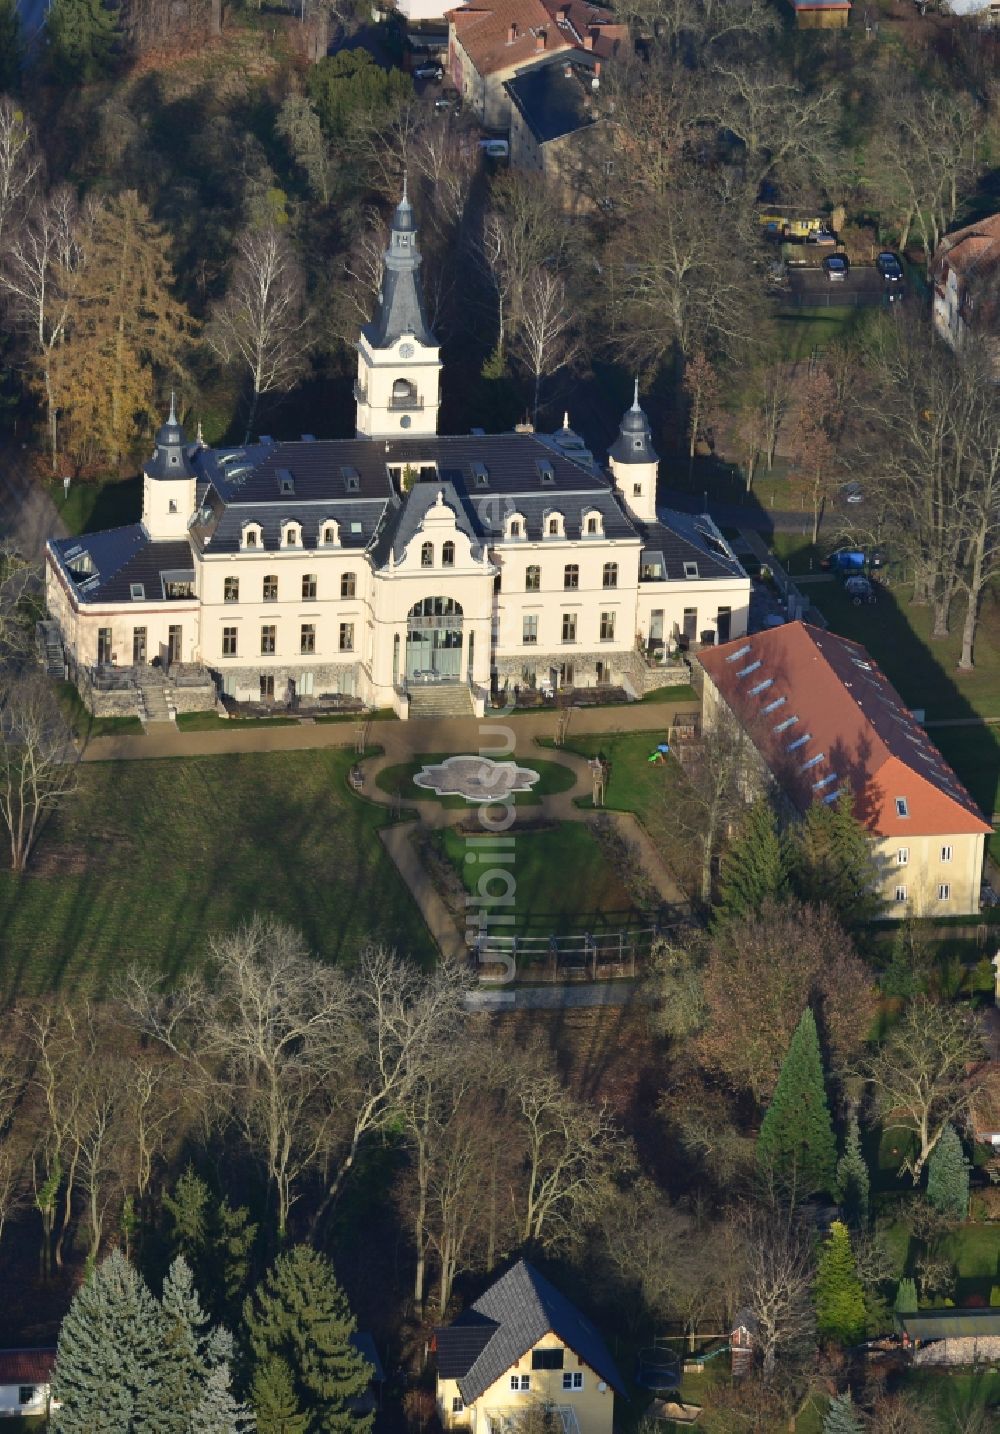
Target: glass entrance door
x=434, y=641
x=138, y=646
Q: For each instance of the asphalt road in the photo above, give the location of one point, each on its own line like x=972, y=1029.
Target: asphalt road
x=863, y=288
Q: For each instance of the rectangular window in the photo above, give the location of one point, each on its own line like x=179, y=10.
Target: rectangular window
x=571, y=576
x=26, y=1394
x=902, y=856
x=569, y=627
x=573, y=1380
x=347, y=637
x=103, y=645
x=532, y=579
x=900, y=893
x=946, y=853
x=944, y=891
x=267, y=686
x=231, y=590
x=271, y=588
x=229, y=641
x=307, y=637
x=902, y=807
x=268, y=640
x=305, y=684
x=607, y=627
x=308, y=586
x=529, y=633
x=520, y=1383
x=547, y=1359
x=457, y=1407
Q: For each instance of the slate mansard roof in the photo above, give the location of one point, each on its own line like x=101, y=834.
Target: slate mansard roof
x=687, y=539
x=824, y=717
x=106, y=567
x=516, y=1312
x=551, y=102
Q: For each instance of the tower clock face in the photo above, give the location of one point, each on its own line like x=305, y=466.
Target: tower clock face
x=406, y=351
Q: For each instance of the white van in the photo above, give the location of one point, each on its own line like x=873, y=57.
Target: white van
x=495, y=148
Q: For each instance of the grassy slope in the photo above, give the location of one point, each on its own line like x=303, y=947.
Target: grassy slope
x=563, y=880
x=154, y=856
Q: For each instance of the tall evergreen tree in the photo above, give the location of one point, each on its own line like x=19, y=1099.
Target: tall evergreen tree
x=906, y=1296
x=10, y=45
x=300, y=1313
x=853, y=1177
x=796, y=1144
x=832, y=861
x=218, y=1411
x=841, y=1416
x=754, y=868
x=215, y=1238
x=194, y=1355
x=273, y=1399
x=948, y=1176
x=108, y=1371
x=82, y=38
x=840, y=1297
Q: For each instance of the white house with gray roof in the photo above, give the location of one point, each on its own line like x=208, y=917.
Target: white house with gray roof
x=399, y=563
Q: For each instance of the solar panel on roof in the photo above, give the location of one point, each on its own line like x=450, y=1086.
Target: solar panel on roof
x=800, y=741
x=788, y=722
x=746, y=671
x=740, y=652
x=773, y=706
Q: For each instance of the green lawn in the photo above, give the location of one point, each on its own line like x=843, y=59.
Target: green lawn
x=212, y=722
x=398, y=781
x=898, y=636
x=563, y=881
x=634, y=783
x=102, y=503
x=684, y=693
x=85, y=724
x=796, y=332
x=154, y=856
x=956, y=1396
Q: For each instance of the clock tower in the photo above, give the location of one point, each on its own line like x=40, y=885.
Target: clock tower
x=399, y=360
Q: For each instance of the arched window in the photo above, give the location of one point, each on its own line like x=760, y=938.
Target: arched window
x=593, y=527
x=404, y=395
x=348, y=585
x=252, y=536
x=231, y=590
x=328, y=535
x=610, y=575
x=515, y=528
x=427, y=555
x=554, y=525
x=308, y=586
x=270, y=587
x=514, y=525
x=532, y=579
x=291, y=536
x=448, y=555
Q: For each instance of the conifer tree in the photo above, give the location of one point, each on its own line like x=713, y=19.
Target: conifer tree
x=215, y=1238
x=755, y=866
x=948, y=1176
x=832, y=861
x=300, y=1313
x=10, y=45
x=192, y=1351
x=906, y=1296
x=273, y=1399
x=81, y=39
x=796, y=1144
x=840, y=1297
x=841, y=1416
x=218, y=1411
x=853, y=1177
x=108, y=1371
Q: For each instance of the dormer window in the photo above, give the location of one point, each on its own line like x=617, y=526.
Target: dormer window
x=137, y=591
x=252, y=536
x=291, y=536
x=286, y=483
x=515, y=525
x=352, y=479
x=554, y=525
x=690, y=570
x=480, y=475
x=593, y=525
x=328, y=535
x=546, y=472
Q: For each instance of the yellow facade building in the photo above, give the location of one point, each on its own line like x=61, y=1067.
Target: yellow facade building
x=521, y=1351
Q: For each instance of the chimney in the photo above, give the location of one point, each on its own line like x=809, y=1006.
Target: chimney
x=597, y=69
x=563, y=14
x=540, y=40
x=512, y=32
x=588, y=40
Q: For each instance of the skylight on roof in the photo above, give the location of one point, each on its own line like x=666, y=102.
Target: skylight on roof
x=831, y=798
x=867, y=667
x=800, y=741
x=788, y=722
x=761, y=686
x=545, y=471
x=355, y=527
x=773, y=706
x=690, y=570
x=480, y=473
x=824, y=782
x=137, y=591
x=740, y=652
x=351, y=477
x=286, y=483
x=812, y=762
x=902, y=807
x=746, y=671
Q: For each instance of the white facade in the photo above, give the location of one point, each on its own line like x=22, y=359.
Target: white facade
x=376, y=566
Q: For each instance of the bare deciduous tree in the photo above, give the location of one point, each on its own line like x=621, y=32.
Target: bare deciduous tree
x=545, y=340
x=38, y=761
x=719, y=771
x=920, y=1076
x=778, y=1267
x=20, y=166
x=263, y=323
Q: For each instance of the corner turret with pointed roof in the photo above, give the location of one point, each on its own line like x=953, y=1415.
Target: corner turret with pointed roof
x=168, y=482
x=634, y=462
x=399, y=364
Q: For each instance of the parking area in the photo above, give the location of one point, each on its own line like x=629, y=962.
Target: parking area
x=863, y=287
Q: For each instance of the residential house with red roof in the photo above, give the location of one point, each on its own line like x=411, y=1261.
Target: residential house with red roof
x=965, y=272
x=824, y=718
x=25, y=1377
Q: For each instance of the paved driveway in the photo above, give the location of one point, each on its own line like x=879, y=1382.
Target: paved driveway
x=863, y=288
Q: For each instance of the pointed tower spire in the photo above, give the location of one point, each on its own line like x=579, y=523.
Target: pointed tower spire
x=401, y=308
x=172, y=420
x=635, y=399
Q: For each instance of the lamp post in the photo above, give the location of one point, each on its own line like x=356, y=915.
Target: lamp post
x=66, y=482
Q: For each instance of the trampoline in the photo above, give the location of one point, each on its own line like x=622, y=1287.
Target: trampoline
x=658, y=1368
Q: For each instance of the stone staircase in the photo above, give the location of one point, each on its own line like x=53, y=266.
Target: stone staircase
x=51, y=650
x=448, y=699
x=152, y=695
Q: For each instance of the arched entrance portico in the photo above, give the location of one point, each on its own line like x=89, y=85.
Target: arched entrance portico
x=434, y=641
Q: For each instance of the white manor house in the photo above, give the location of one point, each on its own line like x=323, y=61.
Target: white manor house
x=400, y=568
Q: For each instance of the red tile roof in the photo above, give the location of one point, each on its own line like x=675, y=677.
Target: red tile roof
x=484, y=30
x=26, y=1366
x=587, y=26
x=823, y=715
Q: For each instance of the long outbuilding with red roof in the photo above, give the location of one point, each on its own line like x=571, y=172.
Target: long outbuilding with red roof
x=824, y=718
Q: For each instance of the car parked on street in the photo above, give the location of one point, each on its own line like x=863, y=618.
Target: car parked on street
x=429, y=72
x=835, y=266
x=889, y=267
